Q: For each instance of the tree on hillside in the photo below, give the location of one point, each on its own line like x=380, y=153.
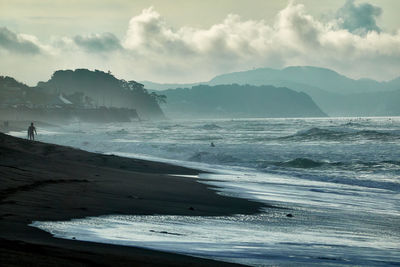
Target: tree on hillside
x=161, y=99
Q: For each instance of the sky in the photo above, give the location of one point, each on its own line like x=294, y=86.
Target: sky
x=191, y=41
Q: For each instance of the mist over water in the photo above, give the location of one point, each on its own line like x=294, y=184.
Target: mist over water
x=338, y=177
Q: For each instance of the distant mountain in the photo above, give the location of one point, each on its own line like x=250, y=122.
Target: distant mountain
x=105, y=90
x=324, y=79
x=335, y=94
x=321, y=78
x=239, y=101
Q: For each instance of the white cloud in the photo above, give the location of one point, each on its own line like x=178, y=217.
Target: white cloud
x=295, y=38
x=153, y=50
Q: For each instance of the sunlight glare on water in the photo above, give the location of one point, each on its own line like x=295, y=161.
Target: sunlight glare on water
x=338, y=177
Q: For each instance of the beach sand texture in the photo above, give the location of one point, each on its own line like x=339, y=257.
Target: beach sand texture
x=46, y=182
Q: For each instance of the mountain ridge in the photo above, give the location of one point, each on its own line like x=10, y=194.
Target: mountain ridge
x=239, y=101
x=334, y=93
x=219, y=79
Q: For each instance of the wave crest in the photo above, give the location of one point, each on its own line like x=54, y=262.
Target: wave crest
x=317, y=134
x=305, y=163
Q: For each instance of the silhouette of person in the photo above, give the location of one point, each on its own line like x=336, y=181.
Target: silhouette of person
x=212, y=144
x=32, y=132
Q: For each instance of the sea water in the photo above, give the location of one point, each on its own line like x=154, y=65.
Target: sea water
x=338, y=177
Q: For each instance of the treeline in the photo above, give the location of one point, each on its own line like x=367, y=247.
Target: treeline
x=82, y=88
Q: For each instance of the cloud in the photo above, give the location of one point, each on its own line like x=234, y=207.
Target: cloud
x=295, y=38
x=98, y=42
x=18, y=43
x=360, y=18
x=151, y=49
x=149, y=32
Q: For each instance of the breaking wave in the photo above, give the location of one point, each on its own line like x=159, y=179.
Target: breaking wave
x=340, y=134
x=305, y=163
x=300, y=163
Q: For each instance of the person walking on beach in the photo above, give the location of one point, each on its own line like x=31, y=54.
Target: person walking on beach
x=32, y=132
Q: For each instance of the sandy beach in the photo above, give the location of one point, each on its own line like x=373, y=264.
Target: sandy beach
x=45, y=182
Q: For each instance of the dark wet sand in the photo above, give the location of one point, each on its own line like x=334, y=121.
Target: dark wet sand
x=44, y=182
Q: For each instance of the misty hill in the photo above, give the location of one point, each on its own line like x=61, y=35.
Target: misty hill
x=13, y=92
x=239, y=101
x=23, y=103
x=322, y=78
x=335, y=94
x=105, y=90
x=314, y=77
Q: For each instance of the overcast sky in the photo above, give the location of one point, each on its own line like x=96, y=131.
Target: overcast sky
x=188, y=40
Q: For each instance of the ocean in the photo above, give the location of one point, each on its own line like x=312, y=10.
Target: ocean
x=339, y=178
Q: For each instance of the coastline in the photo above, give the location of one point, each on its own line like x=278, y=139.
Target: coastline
x=46, y=182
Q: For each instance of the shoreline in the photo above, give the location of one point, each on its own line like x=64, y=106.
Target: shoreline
x=46, y=182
